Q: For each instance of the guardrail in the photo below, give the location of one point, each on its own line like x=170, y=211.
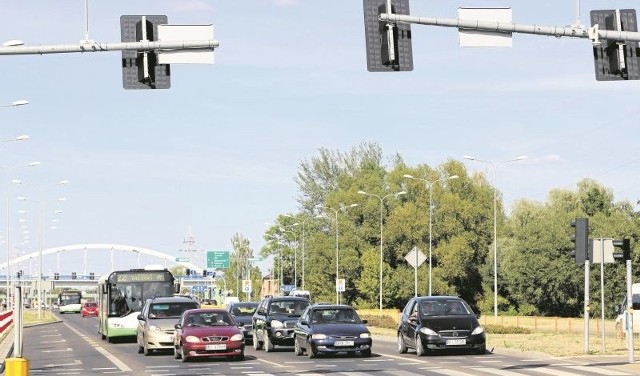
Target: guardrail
x=6, y=323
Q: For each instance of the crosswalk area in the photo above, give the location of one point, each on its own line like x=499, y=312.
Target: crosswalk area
x=389, y=367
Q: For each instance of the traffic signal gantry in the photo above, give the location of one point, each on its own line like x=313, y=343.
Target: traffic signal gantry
x=148, y=44
x=613, y=33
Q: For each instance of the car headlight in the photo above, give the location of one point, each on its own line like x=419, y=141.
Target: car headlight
x=428, y=332
x=277, y=324
x=477, y=330
x=365, y=335
x=154, y=328
x=237, y=337
x=192, y=339
x=318, y=336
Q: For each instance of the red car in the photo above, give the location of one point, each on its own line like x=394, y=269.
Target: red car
x=89, y=309
x=208, y=332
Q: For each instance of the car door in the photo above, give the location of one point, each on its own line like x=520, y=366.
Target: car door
x=141, y=325
x=259, y=320
x=409, y=323
x=301, y=329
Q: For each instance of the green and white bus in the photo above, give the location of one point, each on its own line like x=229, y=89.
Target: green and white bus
x=122, y=294
x=70, y=301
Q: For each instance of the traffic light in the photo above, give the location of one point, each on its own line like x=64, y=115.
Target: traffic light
x=581, y=239
x=74, y=275
x=625, y=245
x=187, y=272
x=204, y=272
x=92, y=276
x=388, y=45
x=56, y=276
x=140, y=69
x=615, y=59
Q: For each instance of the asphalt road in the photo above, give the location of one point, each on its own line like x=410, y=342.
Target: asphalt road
x=73, y=347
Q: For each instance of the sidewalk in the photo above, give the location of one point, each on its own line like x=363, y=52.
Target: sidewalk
x=6, y=346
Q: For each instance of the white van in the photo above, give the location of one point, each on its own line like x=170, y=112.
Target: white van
x=621, y=326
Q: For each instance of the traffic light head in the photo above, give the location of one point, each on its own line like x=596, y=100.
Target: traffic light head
x=388, y=45
x=187, y=272
x=580, y=239
x=204, y=272
x=625, y=245
x=140, y=70
x=615, y=59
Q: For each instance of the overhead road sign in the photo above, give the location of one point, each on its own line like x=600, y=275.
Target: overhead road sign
x=218, y=259
x=182, y=259
x=185, y=32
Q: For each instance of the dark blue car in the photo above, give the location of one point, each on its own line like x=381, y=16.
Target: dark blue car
x=325, y=329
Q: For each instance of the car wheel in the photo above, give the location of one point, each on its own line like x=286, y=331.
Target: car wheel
x=268, y=345
x=402, y=347
x=481, y=350
x=257, y=345
x=140, y=349
x=366, y=353
x=239, y=357
x=311, y=353
x=296, y=347
x=420, y=350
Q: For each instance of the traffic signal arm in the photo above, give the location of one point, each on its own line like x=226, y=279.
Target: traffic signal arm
x=119, y=46
x=506, y=27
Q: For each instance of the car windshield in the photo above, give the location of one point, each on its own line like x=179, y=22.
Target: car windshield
x=288, y=307
x=244, y=309
x=443, y=308
x=335, y=316
x=169, y=310
x=209, y=319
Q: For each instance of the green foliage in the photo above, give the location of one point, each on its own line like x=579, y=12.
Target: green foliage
x=499, y=329
x=380, y=321
x=536, y=274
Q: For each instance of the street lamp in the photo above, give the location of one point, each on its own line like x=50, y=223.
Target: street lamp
x=21, y=102
x=381, y=210
x=494, y=165
x=303, y=242
x=6, y=171
x=337, y=254
x=42, y=188
x=429, y=185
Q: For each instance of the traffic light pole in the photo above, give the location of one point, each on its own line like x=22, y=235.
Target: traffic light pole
x=102, y=47
x=586, y=306
x=507, y=27
x=629, y=313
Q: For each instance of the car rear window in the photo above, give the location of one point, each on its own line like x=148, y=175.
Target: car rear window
x=169, y=310
x=90, y=305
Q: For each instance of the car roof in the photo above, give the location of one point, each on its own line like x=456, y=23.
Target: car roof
x=171, y=299
x=438, y=298
x=206, y=310
x=330, y=306
x=285, y=298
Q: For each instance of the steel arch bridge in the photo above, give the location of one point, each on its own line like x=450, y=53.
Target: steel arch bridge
x=101, y=247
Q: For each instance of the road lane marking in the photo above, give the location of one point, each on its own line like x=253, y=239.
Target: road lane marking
x=116, y=362
x=600, y=371
x=60, y=350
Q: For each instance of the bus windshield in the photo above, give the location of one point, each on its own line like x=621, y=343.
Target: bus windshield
x=131, y=290
x=69, y=297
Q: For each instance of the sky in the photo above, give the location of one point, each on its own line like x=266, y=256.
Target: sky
x=217, y=153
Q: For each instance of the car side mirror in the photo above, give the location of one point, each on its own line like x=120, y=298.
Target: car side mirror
x=178, y=326
x=240, y=324
x=365, y=321
x=304, y=322
x=140, y=317
x=261, y=312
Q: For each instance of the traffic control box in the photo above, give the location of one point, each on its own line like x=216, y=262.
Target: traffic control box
x=16, y=367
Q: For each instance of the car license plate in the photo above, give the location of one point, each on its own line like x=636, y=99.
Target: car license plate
x=216, y=347
x=343, y=343
x=454, y=342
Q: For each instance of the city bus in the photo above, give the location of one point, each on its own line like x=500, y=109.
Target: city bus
x=70, y=301
x=121, y=296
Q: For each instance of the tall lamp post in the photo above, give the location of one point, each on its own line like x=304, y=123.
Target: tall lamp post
x=295, y=251
x=337, y=252
x=8, y=240
x=429, y=184
x=303, y=242
x=21, y=102
x=381, y=211
x=42, y=188
x=494, y=166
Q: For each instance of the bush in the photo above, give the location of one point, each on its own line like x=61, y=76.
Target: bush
x=499, y=329
x=383, y=321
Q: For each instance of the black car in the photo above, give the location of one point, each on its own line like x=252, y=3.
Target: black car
x=440, y=323
x=331, y=329
x=274, y=321
x=243, y=312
